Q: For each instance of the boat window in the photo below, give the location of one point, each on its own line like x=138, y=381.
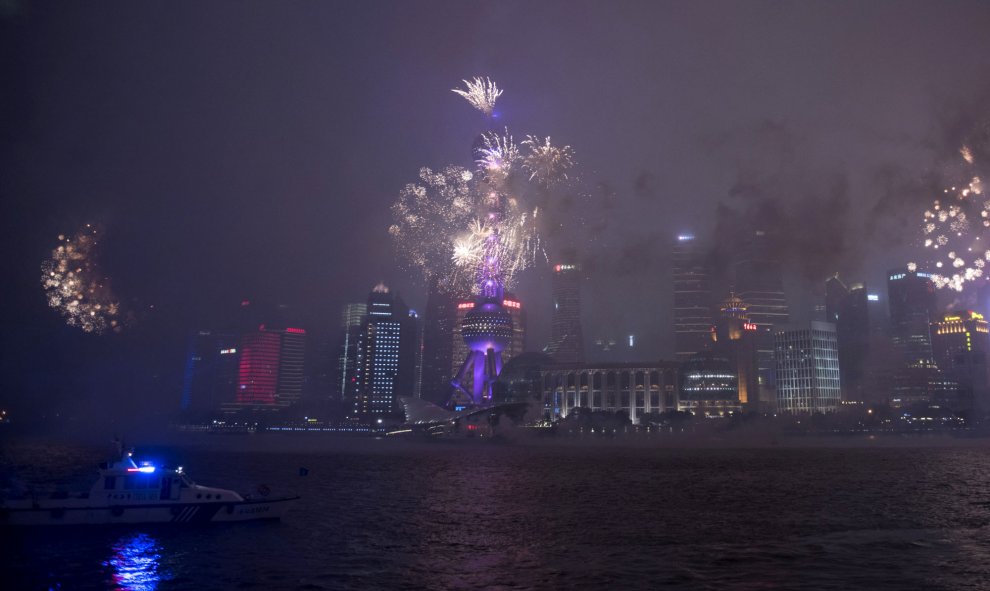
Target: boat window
x=141, y=481
x=110, y=483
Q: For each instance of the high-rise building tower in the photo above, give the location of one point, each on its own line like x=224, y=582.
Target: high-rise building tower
x=386, y=356
x=735, y=339
x=692, y=299
x=566, y=339
x=961, y=345
x=848, y=309
x=911, y=296
x=291, y=366
x=351, y=320
x=807, y=360
x=759, y=282
x=517, y=346
x=271, y=369
x=439, y=343
x=210, y=377
x=257, y=382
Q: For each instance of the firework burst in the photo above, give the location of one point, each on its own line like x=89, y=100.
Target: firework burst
x=546, y=163
x=455, y=225
x=481, y=93
x=497, y=155
x=75, y=287
x=954, y=233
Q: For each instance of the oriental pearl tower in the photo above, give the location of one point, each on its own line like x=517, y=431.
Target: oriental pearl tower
x=487, y=330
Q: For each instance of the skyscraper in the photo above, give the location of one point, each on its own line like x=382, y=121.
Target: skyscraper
x=911, y=296
x=271, y=371
x=735, y=339
x=759, y=282
x=257, y=381
x=566, y=339
x=961, y=345
x=807, y=360
x=848, y=309
x=692, y=299
x=351, y=319
x=291, y=366
x=439, y=343
x=210, y=376
x=386, y=357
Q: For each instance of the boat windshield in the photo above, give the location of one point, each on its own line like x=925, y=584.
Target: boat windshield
x=187, y=481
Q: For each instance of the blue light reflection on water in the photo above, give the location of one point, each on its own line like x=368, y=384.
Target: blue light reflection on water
x=135, y=562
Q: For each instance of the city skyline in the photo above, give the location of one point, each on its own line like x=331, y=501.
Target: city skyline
x=529, y=294
x=204, y=211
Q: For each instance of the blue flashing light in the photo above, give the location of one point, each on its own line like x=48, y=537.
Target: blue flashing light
x=143, y=469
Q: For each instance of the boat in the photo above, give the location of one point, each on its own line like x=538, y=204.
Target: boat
x=129, y=492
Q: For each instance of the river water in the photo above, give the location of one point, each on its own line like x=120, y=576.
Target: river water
x=385, y=515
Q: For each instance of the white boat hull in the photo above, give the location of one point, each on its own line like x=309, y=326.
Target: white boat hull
x=177, y=512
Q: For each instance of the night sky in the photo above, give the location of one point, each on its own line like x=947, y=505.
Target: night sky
x=237, y=150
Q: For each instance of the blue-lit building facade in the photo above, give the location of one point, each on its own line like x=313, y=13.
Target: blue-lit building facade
x=211, y=371
x=807, y=367
x=386, y=355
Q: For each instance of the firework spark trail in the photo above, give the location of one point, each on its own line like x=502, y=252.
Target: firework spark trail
x=546, y=164
x=74, y=286
x=481, y=93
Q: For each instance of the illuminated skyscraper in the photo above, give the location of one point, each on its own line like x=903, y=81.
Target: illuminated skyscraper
x=386, y=357
x=911, y=296
x=759, y=282
x=566, y=339
x=351, y=319
x=735, y=339
x=807, y=360
x=210, y=376
x=291, y=366
x=271, y=371
x=692, y=299
x=961, y=344
x=257, y=381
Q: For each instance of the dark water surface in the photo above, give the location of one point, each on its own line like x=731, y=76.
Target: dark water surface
x=381, y=515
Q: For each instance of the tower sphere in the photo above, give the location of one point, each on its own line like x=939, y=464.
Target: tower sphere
x=487, y=326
